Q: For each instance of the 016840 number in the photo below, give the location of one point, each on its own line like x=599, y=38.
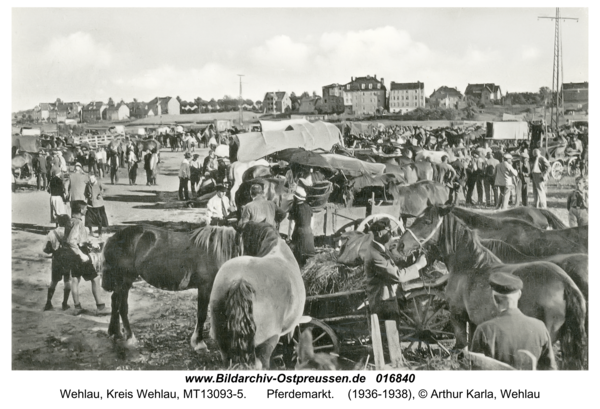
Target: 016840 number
x=398, y=378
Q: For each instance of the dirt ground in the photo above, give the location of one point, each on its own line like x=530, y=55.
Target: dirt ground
x=162, y=321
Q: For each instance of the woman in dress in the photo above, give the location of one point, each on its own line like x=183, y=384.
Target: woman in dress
x=303, y=242
x=96, y=214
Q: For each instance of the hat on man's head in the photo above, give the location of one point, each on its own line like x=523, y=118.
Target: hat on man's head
x=381, y=224
x=196, y=155
x=525, y=155
x=507, y=156
x=300, y=193
x=221, y=188
x=78, y=164
x=187, y=155
x=504, y=283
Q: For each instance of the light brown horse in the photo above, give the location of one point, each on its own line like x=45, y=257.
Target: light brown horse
x=256, y=298
x=548, y=293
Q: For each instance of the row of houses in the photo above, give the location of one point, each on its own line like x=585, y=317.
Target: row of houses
x=369, y=95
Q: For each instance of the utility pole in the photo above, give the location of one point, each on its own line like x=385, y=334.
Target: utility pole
x=557, y=73
x=241, y=102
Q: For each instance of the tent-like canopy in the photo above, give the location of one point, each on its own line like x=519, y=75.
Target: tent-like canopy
x=319, y=135
x=352, y=166
x=507, y=130
x=267, y=126
x=27, y=143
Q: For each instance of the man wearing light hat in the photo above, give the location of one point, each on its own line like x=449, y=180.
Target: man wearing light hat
x=303, y=241
x=505, y=179
x=502, y=337
x=184, y=177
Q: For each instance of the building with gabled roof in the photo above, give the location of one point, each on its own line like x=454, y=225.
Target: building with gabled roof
x=277, y=102
x=118, y=112
x=164, y=106
x=445, y=97
x=484, y=93
x=94, y=111
x=406, y=96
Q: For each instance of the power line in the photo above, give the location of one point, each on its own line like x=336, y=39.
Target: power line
x=557, y=70
x=241, y=102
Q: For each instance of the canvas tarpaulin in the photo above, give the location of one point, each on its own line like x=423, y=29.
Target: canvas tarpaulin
x=255, y=145
x=27, y=143
x=352, y=166
x=267, y=126
x=507, y=130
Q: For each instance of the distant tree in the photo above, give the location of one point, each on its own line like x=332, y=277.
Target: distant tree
x=314, y=94
x=305, y=94
x=111, y=103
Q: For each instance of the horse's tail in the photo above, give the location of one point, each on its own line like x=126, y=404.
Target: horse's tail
x=572, y=335
x=240, y=324
x=553, y=220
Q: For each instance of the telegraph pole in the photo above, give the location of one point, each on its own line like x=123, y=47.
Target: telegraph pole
x=241, y=102
x=557, y=72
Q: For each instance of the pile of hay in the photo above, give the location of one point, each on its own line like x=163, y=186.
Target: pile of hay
x=322, y=274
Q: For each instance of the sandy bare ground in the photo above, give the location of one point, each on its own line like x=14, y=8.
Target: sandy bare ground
x=162, y=321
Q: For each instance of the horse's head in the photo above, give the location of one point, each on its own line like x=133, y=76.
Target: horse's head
x=308, y=360
x=424, y=229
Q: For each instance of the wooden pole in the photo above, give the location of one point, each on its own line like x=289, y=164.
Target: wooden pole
x=377, y=344
x=391, y=331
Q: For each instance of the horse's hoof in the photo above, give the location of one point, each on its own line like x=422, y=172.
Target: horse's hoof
x=201, y=346
x=131, y=342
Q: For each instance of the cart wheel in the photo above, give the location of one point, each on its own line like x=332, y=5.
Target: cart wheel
x=424, y=318
x=556, y=170
x=573, y=168
x=324, y=341
x=347, y=227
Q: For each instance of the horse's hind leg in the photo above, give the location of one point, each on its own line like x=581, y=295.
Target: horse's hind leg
x=264, y=351
x=115, y=322
x=460, y=330
x=197, y=340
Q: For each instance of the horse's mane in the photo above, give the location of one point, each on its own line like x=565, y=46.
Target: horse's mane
x=259, y=239
x=457, y=238
x=505, y=251
x=220, y=242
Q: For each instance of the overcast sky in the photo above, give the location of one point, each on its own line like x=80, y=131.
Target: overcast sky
x=93, y=54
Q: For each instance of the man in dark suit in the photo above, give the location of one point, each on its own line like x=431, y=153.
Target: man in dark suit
x=383, y=276
x=502, y=337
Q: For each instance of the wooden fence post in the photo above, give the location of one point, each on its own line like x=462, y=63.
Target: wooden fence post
x=393, y=338
x=377, y=345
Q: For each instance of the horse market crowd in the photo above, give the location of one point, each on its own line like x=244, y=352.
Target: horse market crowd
x=483, y=176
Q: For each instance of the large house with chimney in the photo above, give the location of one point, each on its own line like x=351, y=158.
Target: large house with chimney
x=365, y=95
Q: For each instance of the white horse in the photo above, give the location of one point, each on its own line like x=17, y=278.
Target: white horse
x=236, y=171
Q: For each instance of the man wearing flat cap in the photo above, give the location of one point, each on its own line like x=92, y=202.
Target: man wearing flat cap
x=502, y=337
x=382, y=274
x=261, y=210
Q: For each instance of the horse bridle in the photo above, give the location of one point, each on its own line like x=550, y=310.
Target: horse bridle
x=439, y=223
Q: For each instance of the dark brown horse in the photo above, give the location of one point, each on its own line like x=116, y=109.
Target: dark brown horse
x=167, y=260
x=541, y=218
x=575, y=265
x=256, y=298
x=526, y=237
x=548, y=293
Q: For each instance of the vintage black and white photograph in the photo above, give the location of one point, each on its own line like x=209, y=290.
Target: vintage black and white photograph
x=399, y=189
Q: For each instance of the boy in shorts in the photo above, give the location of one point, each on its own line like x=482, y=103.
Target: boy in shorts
x=59, y=267
x=79, y=262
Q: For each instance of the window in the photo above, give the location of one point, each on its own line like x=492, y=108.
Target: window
x=362, y=86
x=378, y=86
x=348, y=86
x=370, y=86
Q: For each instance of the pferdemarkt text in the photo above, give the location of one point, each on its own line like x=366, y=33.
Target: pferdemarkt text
x=303, y=387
